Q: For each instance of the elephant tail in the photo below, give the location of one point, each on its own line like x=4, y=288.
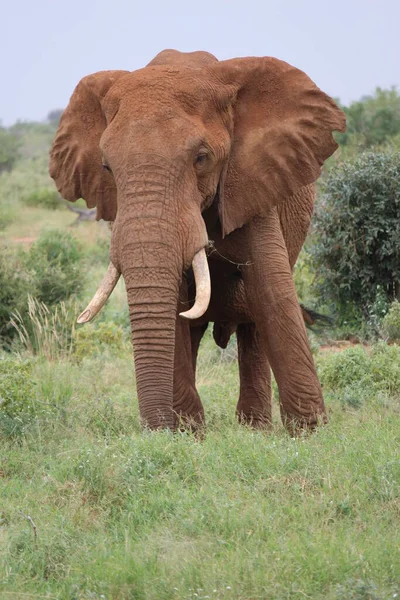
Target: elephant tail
x=311, y=317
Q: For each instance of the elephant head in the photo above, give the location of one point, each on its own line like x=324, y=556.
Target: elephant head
x=152, y=149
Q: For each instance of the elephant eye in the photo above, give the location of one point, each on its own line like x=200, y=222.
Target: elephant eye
x=106, y=167
x=201, y=159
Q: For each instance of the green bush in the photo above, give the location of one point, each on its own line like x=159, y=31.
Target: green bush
x=43, y=197
x=50, y=272
x=15, y=285
x=6, y=216
x=9, y=149
x=54, y=261
x=391, y=323
x=356, y=373
x=356, y=251
x=17, y=396
x=94, y=339
x=373, y=120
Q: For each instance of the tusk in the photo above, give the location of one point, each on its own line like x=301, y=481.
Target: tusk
x=103, y=293
x=203, y=286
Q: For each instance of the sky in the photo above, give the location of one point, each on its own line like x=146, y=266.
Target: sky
x=348, y=47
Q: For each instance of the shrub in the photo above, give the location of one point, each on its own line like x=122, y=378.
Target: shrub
x=43, y=197
x=15, y=285
x=94, y=339
x=51, y=272
x=17, y=396
x=391, y=323
x=9, y=149
x=54, y=261
x=6, y=216
x=355, y=373
x=357, y=231
x=341, y=369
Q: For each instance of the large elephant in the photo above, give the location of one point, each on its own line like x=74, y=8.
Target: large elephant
x=187, y=150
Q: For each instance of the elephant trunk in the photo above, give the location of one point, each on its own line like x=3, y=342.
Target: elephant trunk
x=152, y=298
x=153, y=241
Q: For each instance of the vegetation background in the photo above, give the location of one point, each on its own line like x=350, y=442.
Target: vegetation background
x=92, y=507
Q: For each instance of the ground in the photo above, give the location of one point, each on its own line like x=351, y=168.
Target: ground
x=92, y=507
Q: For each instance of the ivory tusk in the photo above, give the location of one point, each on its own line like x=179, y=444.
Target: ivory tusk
x=203, y=287
x=103, y=293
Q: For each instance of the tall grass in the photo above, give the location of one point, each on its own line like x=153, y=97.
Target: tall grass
x=44, y=332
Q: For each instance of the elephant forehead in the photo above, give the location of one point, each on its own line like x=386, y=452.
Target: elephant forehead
x=156, y=90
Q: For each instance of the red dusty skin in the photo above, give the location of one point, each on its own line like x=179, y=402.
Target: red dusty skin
x=151, y=252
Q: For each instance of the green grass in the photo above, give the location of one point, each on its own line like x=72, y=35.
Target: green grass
x=126, y=514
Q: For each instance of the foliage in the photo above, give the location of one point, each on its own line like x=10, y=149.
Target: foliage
x=55, y=263
x=391, y=322
x=35, y=139
x=373, y=120
x=15, y=285
x=17, y=396
x=50, y=272
x=54, y=116
x=124, y=513
x=95, y=339
x=356, y=251
x=6, y=216
x=366, y=373
x=46, y=332
x=9, y=150
x=45, y=197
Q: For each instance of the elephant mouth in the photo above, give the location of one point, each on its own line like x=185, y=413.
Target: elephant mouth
x=203, y=290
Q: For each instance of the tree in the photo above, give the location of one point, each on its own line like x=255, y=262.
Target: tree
x=53, y=117
x=373, y=120
x=357, y=221
x=9, y=149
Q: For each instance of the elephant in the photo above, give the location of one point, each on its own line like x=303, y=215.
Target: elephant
x=183, y=151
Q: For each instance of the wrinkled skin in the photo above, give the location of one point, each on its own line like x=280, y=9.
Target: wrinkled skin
x=195, y=149
x=231, y=312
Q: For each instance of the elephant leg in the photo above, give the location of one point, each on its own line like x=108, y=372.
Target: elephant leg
x=254, y=406
x=273, y=301
x=196, y=335
x=186, y=400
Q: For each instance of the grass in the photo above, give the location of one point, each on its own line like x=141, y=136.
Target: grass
x=93, y=508
x=123, y=514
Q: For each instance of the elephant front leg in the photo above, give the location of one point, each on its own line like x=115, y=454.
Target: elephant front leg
x=186, y=400
x=254, y=406
x=273, y=300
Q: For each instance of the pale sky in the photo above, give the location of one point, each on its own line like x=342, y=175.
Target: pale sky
x=348, y=47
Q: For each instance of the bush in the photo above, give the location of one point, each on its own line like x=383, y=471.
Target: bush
x=9, y=149
x=17, y=396
x=6, y=216
x=92, y=340
x=43, y=197
x=50, y=272
x=54, y=261
x=354, y=373
x=391, y=323
x=15, y=285
x=357, y=231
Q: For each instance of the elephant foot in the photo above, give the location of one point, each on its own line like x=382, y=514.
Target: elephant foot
x=257, y=417
x=189, y=412
x=298, y=425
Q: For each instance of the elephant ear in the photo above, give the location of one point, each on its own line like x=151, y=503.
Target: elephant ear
x=75, y=157
x=282, y=134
